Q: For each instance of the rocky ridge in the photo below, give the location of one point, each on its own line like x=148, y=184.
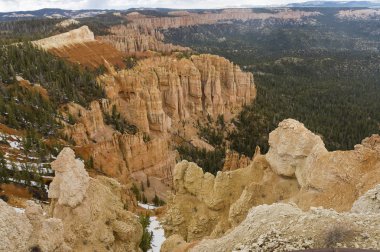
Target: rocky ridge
x=297, y=169
x=285, y=227
x=77, y=36
x=132, y=39
x=145, y=33
x=115, y=154
x=212, y=18
x=80, y=46
x=364, y=14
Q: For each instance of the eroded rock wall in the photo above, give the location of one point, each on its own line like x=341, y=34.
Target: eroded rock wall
x=113, y=153
x=191, y=19
x=297, y=169
x=162, y=91
x=206, y=205
x=92, y=210
x=76, y=36
x=132, y=39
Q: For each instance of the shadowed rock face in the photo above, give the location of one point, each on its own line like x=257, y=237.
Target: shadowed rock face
x=297, y=169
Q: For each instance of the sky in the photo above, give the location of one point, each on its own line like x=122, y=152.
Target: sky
x=19, y=5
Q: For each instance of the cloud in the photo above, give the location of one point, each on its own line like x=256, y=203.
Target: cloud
x=17, y=5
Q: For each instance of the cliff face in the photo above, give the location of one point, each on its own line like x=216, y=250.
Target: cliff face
x=297, y=169
x=80, y=46
x=234, y=161
x=132, y=39
x=211, y=18
x=205, y=205
x=143, y=33
x=156, y=96
x=115, y=154
x=92, y=210
x=80, y=35
x=162, y=91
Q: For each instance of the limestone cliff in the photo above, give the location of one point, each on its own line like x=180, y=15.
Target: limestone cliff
x=211, y=18
x=158, y=96
x=207, y=205
x=80, y=46
x=132, y=39
x=25, y=231
x=161, y=91
x=80, y=35
x=92, y=210
x=297, y=169
x=115, y=154
x=329, y=179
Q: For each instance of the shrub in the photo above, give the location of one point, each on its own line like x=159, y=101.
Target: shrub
x=338, y=234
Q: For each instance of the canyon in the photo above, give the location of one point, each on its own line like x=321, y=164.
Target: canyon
x=162, y=96
x=123, y=150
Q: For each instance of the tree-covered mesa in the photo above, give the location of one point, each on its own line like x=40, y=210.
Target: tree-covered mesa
x=38, y=28
x=324, y=73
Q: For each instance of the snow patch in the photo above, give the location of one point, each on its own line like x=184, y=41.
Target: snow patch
x=158, y=234
x=19, y=210
x=147, y=206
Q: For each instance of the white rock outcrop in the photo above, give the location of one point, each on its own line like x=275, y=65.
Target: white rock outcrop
x=369, y=203
x=76, y=36
x=24, y=231
x=92, y=210
x=290, y=146
x=285, y=227
x=71, y=179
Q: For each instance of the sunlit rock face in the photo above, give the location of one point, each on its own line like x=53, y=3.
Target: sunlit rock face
x=297, y=169
x=92, y=210
x=161, y=91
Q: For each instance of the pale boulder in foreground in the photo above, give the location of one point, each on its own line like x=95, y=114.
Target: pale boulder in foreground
x=86, y=214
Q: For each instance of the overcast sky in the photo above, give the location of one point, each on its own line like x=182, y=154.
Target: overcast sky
x=16, y=5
